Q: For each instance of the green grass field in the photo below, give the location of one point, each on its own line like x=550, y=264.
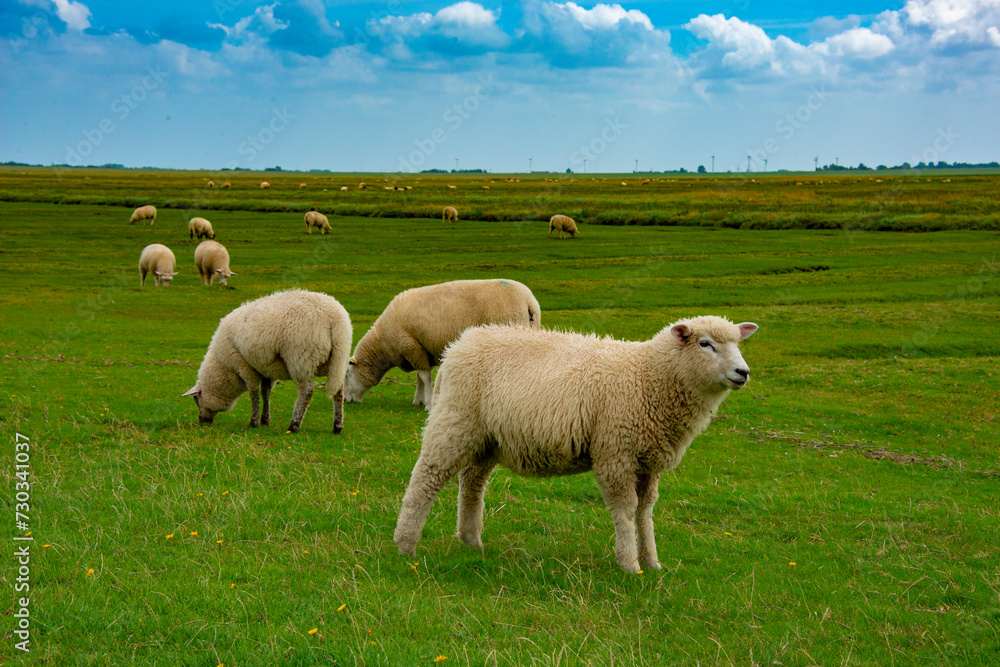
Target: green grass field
x=842, y=509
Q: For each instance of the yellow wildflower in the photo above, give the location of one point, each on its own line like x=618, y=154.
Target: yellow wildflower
x=90, y=571
x=342, y=607
x=440, y=658
x=314, y=631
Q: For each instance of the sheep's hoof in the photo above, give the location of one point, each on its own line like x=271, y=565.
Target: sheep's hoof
x=254, y=424
x=337, y=430
x=265, y=421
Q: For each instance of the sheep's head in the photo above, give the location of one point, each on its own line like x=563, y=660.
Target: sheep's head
x=209, y=403
x=223, y=275
x=711, y=350
x=354, y=387
x=164, y=278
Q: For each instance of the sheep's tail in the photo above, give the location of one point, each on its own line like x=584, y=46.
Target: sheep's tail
x=534, y=316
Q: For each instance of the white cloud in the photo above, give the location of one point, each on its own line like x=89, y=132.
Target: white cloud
x=856, y=43
x=466, y=14
x=603, y=17
x=76, y=15
x=745, y=45
x=970, y=22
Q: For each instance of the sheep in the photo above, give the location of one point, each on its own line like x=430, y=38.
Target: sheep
x=343, y=188
x=294, y=335
x=264, y=185
x=302, y=186
x=316, y=219
x=562, y=223
x=226, y=185
x=453, y=187
x=143, y=213
x=159, y=260
x=545, y=403
x=201, y=228
x=449, y=214
x=414, y=329
x=210, y=185
x=212, y=259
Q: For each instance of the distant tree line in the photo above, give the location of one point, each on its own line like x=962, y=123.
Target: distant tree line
x=941, y=164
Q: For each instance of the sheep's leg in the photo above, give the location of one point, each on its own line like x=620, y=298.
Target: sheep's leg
x=648, y=490
x=142, y=280
x=472, y=483
x=305, y=388
x=338, y=411
x=620, y=497
x=265, y=408
x=447, y=448
x=425, y=389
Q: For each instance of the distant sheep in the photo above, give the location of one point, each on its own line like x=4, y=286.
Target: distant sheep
x=344, y=188
x=143, y=213
x=265, y=185
x=210, y=185
x=212, y=260
x=294, y=335
x=157, y=259
x=562, y=223
x=201, y=228
x=414, y=329
x=449, y=214
x=316, y=219
x=226, y=185
x=302, y=186
x=544, y=403
x=452, y=187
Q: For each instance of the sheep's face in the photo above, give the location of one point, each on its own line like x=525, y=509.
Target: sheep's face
x=223, y=275
x=164, y=279
x=209, y=403
x=712, y=346
x=354, y=388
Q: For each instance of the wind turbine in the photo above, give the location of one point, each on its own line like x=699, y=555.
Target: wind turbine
x=765, y=164
x=816, y=163
x=713, y=163
x=748, y=164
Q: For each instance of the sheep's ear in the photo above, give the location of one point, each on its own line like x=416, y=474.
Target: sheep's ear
x=681, y=332
x=746, y=329
x=193, y=391
x=158, y=274
x=174, y=273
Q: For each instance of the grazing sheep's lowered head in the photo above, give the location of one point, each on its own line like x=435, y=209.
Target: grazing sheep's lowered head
x=210, y=403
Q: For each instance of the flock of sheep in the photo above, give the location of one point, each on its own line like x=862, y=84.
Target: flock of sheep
x=538, y=402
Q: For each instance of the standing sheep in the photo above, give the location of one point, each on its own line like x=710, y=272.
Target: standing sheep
x=159, y=260
x=414, y=329
x=201, y=228
x=294, y=335
x=265, y=185
x=143, y=213
x=210, y=185
x=547, y=403
x=212, y=259
x=226, y=185
x=562, y=223
x=316, y=219
x=449, y=214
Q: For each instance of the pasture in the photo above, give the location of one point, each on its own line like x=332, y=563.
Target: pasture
x=841, y=509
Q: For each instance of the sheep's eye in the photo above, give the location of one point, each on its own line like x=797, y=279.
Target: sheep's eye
x=708, y=346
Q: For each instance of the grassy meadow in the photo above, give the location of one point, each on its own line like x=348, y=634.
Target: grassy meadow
x=840, y=510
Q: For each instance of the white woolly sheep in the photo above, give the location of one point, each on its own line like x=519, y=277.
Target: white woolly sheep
x=562, y=223
x=143, y=213
x=159, y=260
x=343, y=188
x=265, y=185
x=226, y=185
x=294, y=335
x=449, y=214
x=316, y=219
x=201, y=228
x=210, y=185
x=302, y=186
x=414, y=329
x=543, y=403
x=212, y=259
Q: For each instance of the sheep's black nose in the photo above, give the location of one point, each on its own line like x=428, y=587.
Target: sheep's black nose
x=742, y=372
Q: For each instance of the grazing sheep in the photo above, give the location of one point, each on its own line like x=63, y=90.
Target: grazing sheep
x=453, y=187
x=562, y=223
x=545, y=403
x=265, y=185
x=212, y=259
x=143, y=213
x=201, y=228
x=316, y=219
x=210, y=185
x=414, y=329
x=226, y=185
x=302, y=186
x=343, y=188
x=449, y=214
x=157, y=259
x=294, y=335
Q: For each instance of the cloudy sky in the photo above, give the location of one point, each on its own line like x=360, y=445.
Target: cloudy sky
x=500, y=85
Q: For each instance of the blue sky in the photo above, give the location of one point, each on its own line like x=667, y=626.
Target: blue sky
x=414, y=84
